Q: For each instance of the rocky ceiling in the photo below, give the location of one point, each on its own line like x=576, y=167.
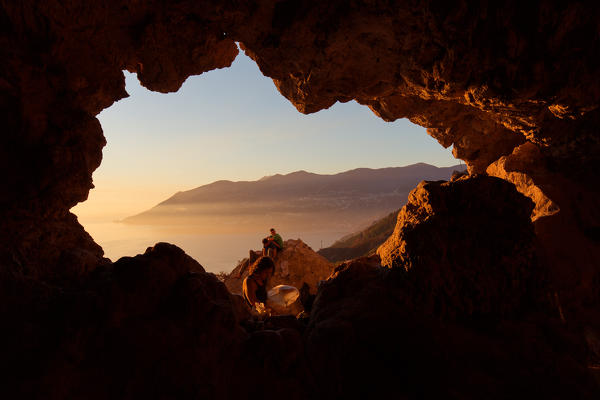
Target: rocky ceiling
x=512, y=85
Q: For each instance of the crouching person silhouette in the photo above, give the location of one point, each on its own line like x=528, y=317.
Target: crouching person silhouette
x=254, y=287
x=272, y=244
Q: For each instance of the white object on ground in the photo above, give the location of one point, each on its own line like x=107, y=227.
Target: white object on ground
x=282, y=295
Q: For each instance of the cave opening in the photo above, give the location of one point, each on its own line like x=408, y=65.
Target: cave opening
x=468, y=298
x=231, y=124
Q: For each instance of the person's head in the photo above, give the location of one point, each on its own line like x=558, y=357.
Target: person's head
x=272, y=231
x=263, y=267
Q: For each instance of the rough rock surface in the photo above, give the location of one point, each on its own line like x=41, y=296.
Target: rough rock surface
x=296, y=265
x=565, y=220
x=508, y=167
x=153, y=325
x=500, y=79
x=470, y=245
x=459, y=277
x=368, y=338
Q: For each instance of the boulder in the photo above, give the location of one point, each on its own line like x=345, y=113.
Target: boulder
x=457, y=298
x=285, y=300
x=466, y=246
x=367, y=338
x=150, y=326
x=296, y=265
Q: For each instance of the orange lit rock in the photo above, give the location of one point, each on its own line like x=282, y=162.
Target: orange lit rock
x=526, y=157
x=296, y=265
x=566, y=220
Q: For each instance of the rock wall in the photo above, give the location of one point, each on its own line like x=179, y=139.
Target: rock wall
x=511, y=85
x=368, y=338
x=467, y=246
x=151, y=326
x=565, y=220
x=457, y=305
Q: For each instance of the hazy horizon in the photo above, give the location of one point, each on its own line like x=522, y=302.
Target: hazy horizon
x=89, y=210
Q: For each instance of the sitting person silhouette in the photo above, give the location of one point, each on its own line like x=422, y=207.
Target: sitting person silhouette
x=273, y=242
x=254, y=287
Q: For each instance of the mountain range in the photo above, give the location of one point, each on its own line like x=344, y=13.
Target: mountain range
x=296, y=201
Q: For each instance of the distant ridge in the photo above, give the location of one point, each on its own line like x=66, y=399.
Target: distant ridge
x=346, y=200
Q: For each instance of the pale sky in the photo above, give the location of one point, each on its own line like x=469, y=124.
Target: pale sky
x=233, y=124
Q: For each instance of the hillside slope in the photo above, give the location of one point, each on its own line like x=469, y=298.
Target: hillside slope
x=363, y=242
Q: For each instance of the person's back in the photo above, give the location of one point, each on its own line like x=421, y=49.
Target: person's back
x=254, y=287
x=277, y=239
x=255, y=290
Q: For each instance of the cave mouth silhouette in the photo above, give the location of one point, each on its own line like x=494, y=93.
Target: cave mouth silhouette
x=135, y=130
x=512, y=87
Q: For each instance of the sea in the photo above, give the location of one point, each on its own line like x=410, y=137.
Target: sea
x=215, y=251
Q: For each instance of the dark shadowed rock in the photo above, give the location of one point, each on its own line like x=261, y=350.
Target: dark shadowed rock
x=373, y=332
x=153, y=325
x=470, y=245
